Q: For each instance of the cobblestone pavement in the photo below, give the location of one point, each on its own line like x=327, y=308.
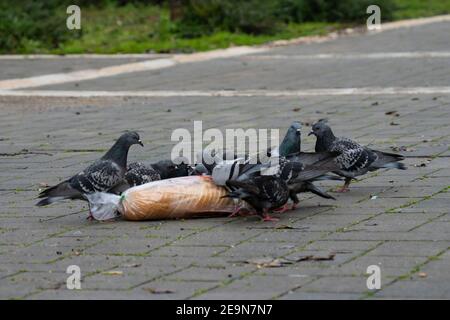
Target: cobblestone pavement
x=398, y=220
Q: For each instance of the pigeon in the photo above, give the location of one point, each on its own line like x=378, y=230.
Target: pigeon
x=269, y=192
x=208, y=160
x=305, y=186
x=263, y=193
x=172, y=169
x=101, y=176
x=354, y=159
x=303, y=181
x=139, y=173
x=200, y=169
x=291, y=142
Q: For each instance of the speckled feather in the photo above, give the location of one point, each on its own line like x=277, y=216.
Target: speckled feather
x=139, y=173
x=353, y=158
x=99, y=176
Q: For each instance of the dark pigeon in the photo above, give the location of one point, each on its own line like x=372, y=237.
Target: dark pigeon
x=172, y=169
x=200, y=169
x=101, y=176
x=291, y=143
x=353, y=159
x=269, y=192
x=207, y=160
x=263, y=193
x=303, y=181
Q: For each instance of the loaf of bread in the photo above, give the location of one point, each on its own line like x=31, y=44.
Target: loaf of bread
x=184, y=197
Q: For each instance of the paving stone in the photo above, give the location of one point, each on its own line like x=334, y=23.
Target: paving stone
x=337, y=284
x=415, y=289
x=411, y=248
x=260, y=287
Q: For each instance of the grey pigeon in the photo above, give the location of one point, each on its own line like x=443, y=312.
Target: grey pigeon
x=291, y=142
x=140, y=173
x=263, y=193
x=354, y=159
x=207, y=161
x=100, y=176
x=200, y=169
x=303, y=181
x=271, y=192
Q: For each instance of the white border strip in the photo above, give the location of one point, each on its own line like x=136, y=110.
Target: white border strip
x=349, y=56
x=230, y=93
x=89, y=74
x=413, y=22
x=85, y=56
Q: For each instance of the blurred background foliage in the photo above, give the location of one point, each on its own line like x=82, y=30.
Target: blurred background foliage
x=110, y=26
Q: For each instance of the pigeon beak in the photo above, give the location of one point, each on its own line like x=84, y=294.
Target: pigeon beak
x=140, y=142
x=310, y=133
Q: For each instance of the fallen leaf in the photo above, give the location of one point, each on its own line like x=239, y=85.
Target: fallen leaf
x=284, y=226
x=268, y=262
x=279, y=227
x=392, y=113
x=113, y=273
x=159, y=291
x=131, y=265
x=422, y=274
x=315, y=258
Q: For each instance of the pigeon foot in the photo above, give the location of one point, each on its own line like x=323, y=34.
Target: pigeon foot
x=282, y=209
x=267, y=217
x=343, y=190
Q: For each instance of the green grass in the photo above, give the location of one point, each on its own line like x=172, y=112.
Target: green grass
x=132, y=29
x=408, y=9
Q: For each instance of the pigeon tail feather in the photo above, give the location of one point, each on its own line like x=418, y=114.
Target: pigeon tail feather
x=388, y=160
x=62, y=189
x=317, y=191
x=50, y=200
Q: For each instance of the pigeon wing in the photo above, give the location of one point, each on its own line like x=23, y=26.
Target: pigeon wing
x=139, y=173
x=100, y=176
x=353, y=157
